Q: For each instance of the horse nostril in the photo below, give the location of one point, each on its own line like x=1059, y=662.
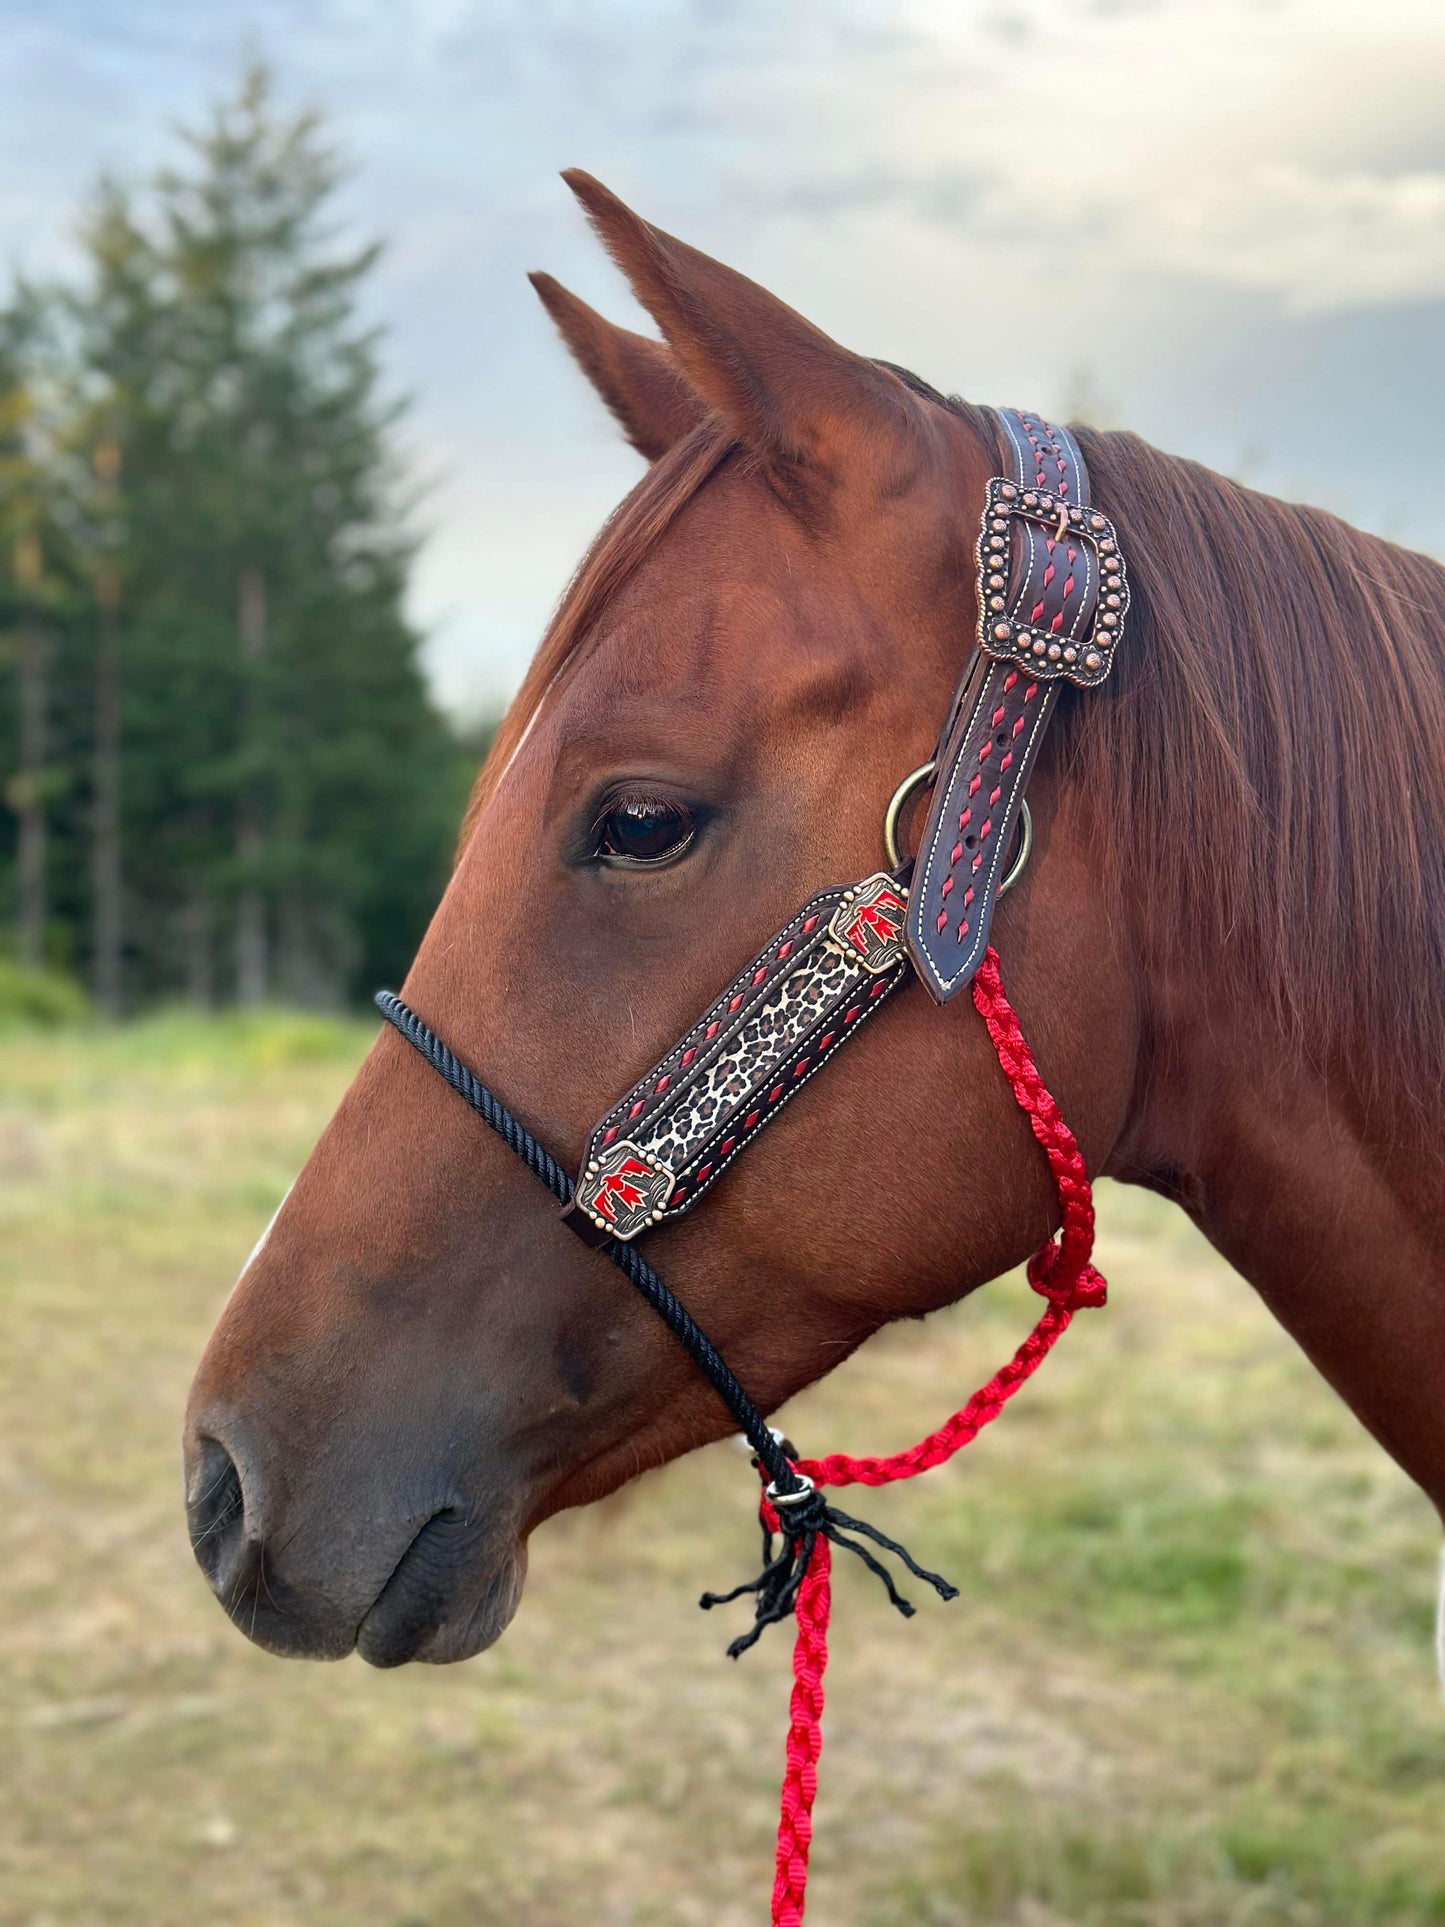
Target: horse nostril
x=215, y=1509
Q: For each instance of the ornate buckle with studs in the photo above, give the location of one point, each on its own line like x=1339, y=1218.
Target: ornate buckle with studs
x=1086, y=587
x=624, y=1190
x=868, y=925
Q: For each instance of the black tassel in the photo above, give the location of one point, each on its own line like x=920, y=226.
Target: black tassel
x=777, y=1586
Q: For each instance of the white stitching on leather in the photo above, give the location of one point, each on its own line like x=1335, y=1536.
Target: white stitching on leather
x=1047, y=690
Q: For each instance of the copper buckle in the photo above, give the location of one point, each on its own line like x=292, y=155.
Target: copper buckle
x=1084, y=660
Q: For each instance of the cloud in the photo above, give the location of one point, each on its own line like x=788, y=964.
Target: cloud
x=1319, y=241
x=1228, y=214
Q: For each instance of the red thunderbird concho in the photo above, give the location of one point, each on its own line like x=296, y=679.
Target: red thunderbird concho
x=868, y=924
x=624, y=1190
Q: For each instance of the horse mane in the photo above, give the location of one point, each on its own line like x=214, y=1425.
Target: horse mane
x=1269, y=752
x=1269, y=755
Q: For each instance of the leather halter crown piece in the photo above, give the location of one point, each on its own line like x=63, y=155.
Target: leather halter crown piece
x=1052, y=598
x=1052, y=595
x=1052, y=601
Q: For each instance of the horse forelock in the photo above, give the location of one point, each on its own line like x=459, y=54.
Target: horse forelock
x=630, y=532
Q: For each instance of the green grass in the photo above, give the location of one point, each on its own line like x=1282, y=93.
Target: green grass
x=1188, y=1683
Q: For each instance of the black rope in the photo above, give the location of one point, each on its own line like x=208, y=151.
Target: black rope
x=468, y=1085
x=628, y=1260
x=776, y=1587
x=802, y=1522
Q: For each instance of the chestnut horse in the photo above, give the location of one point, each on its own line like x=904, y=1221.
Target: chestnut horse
x=1227, y=954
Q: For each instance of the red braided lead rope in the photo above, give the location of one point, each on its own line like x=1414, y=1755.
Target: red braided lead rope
x=1062, y=1273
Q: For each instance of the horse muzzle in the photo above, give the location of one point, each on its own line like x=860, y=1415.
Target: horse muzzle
x=399, y=1576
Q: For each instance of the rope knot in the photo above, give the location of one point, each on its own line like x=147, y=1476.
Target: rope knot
x=798, y=1518
x=1080, y=1287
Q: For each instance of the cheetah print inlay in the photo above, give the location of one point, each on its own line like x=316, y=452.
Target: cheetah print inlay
x=764, y=1045
x=749, y=1053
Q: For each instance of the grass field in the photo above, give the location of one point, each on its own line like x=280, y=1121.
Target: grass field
x=1189, y=1682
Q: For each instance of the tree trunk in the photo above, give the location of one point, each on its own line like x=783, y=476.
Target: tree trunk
x=106, y=874
x=199, y=930
x=252, y=958
x=33, y=909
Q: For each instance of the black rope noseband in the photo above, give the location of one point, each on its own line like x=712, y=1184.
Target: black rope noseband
x=628, y=1260
x=802, y=1512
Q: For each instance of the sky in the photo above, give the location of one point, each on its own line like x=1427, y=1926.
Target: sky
x=1218, y=222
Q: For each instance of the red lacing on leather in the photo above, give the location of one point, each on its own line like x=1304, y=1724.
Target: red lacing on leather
x=966, y=814
x=1061, y=490
x=1060, y=1271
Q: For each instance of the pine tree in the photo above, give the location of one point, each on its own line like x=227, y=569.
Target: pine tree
x=32, y=599
x=261, y=745
x=126, y=497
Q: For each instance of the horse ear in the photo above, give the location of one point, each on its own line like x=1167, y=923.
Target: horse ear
x=785, y=389
x=638, y=379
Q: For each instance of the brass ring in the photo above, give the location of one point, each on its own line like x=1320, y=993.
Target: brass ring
x=920, y=778
x=915, y=780
x=1026, y=844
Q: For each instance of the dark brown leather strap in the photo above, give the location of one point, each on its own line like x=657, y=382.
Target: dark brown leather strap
x=1052, y=598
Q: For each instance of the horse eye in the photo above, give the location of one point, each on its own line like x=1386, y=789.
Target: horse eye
x=644, y=830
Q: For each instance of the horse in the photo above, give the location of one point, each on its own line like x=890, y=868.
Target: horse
x=1226, y=951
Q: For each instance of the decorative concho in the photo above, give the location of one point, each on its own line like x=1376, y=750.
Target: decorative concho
x=1073, y=646
x=868, y=925
x=624, y=1190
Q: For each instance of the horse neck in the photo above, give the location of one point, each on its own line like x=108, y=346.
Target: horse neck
x=1328, y=1195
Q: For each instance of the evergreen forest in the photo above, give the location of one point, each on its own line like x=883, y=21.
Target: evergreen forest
x=222, y=777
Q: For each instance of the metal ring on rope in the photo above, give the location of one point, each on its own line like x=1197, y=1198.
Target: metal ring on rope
x=800, y=1492
x=919, y=779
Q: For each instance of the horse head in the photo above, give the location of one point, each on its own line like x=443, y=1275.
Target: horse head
x=418, y=1364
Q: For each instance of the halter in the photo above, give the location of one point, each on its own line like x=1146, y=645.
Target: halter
x=1053, y=595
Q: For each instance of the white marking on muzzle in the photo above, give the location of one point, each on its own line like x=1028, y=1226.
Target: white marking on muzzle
x=260, y=1244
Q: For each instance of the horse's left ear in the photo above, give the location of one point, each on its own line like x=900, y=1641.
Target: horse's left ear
x=638, y=379
x=786, y=390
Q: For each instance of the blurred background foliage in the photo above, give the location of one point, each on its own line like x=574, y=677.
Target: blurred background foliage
x=222, y=773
